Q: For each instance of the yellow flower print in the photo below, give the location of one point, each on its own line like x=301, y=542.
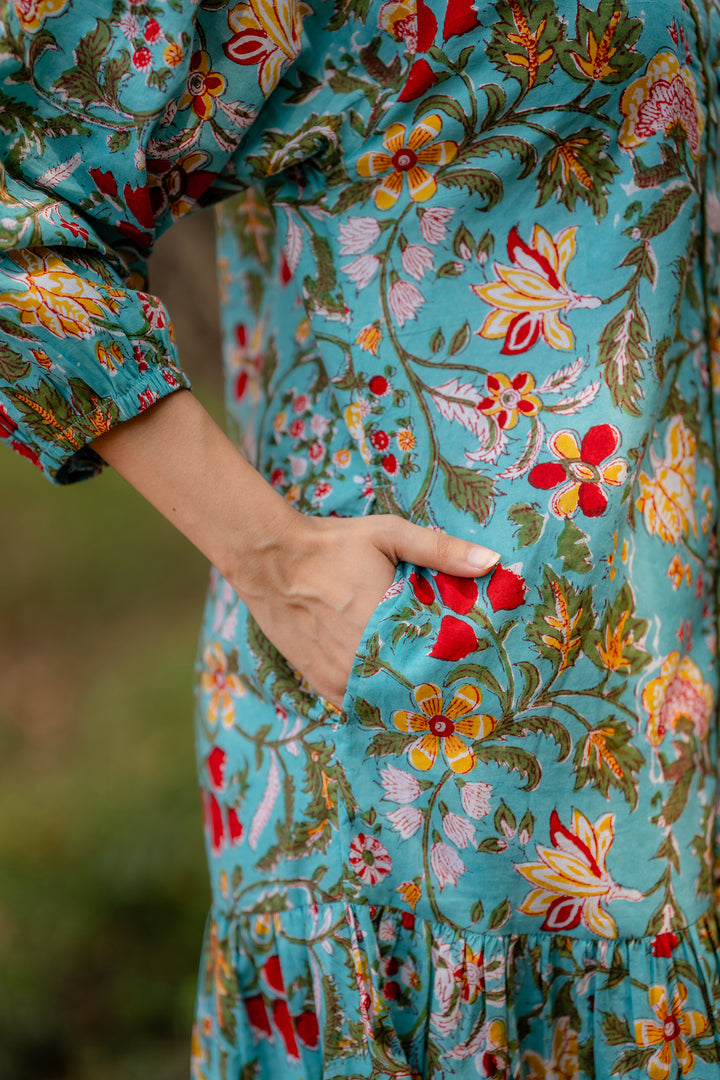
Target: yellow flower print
x=110, y=356
x=173, y=55
x=441, y=727
x=529, y=295
x=33, y=13
x=506, y=398
x=342, y=458
x=410, y=892
x=54, y=296
x=369, y=338
x=222, y=686
x=666, y=497
x=266, y=35
x=354, y=421
x=669, y=1031
x=664, y=101
x=571, y=881
x=563, y=1061
x=202, y=87
x=612, y=557
x=405, y=440
x=407, y=160
x=678, y=691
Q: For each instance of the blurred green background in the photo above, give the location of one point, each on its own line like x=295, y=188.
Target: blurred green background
x=103, y=892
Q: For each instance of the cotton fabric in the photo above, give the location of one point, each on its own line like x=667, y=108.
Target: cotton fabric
x=468, y=258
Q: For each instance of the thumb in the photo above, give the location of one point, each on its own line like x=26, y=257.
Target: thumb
x=404, y=542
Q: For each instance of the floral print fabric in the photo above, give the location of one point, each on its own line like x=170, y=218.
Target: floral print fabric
x=468, y=258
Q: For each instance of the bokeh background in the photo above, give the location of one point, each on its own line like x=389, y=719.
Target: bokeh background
x=103, y=893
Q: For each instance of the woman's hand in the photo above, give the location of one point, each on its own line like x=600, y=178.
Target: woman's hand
x=311, y=583
x=313, y=594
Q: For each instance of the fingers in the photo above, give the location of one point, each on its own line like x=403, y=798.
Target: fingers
x=436, y=550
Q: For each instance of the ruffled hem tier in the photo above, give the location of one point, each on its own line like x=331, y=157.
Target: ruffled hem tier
x=350, y=992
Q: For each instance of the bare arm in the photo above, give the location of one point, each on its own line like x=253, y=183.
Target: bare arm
x=310, y=582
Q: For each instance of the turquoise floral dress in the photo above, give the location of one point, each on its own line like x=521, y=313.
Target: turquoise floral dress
x=468, y=257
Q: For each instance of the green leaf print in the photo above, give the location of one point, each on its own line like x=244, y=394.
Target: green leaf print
x=468, y=490
x=13, y=365
x=572, y=548
x=622, y=352
x=82, y=83
x=478, y=182
x=606, y=757
x=561, y=622
x=615, y=645
x=524, y=39
x=578, y=167
x=662, y=214
x=603, y=48
x=530, y=522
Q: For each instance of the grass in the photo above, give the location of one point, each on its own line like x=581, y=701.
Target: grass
x=102, y=881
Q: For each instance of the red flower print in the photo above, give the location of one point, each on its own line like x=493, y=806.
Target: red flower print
x=508, y=397
x=104, y=181
x=506, y=589
x=272, y=973
x=138, y=202
x=369, y=859
x=266, y=37
x=214, y=824
x=26, y=452
x=380, y=440
x=455, y=640
x=420, y=79
x=378, y=385
x=307, y=1029
x=216, y=767
x=7, y=424
x=412, y=23
x=390, y=464
x=422, y=588
x=457, y=593
x=203, y=86
x=178, y=184
x=142, y=59
x=235, y=826
x=582, y=471
x=529, y=296
x=408, y=920
x=664, y=944
x=258, y=1016
x=460, y=18
x=153, y=32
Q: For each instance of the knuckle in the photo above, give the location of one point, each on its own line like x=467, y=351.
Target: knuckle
x=443, y=545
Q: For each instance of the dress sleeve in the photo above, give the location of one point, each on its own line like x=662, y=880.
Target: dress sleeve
x=112, y=126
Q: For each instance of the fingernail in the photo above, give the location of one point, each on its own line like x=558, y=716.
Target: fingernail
x=483, y=558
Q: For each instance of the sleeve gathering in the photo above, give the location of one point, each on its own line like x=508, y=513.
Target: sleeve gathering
x=111, y=128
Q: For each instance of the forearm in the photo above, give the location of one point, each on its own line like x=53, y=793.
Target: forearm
x=178, y=458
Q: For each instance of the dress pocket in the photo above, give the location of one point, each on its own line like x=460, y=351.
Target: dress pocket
x=367, y=658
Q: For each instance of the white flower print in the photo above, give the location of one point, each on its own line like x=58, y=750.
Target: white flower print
x=459, y=830
x=362, y=270
x=358, y=235
x=406, y=819
x=404, y=299
x=416, y=259
x=475, y=799
x=400, y=786
x=446, y=863
x=433, y=223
